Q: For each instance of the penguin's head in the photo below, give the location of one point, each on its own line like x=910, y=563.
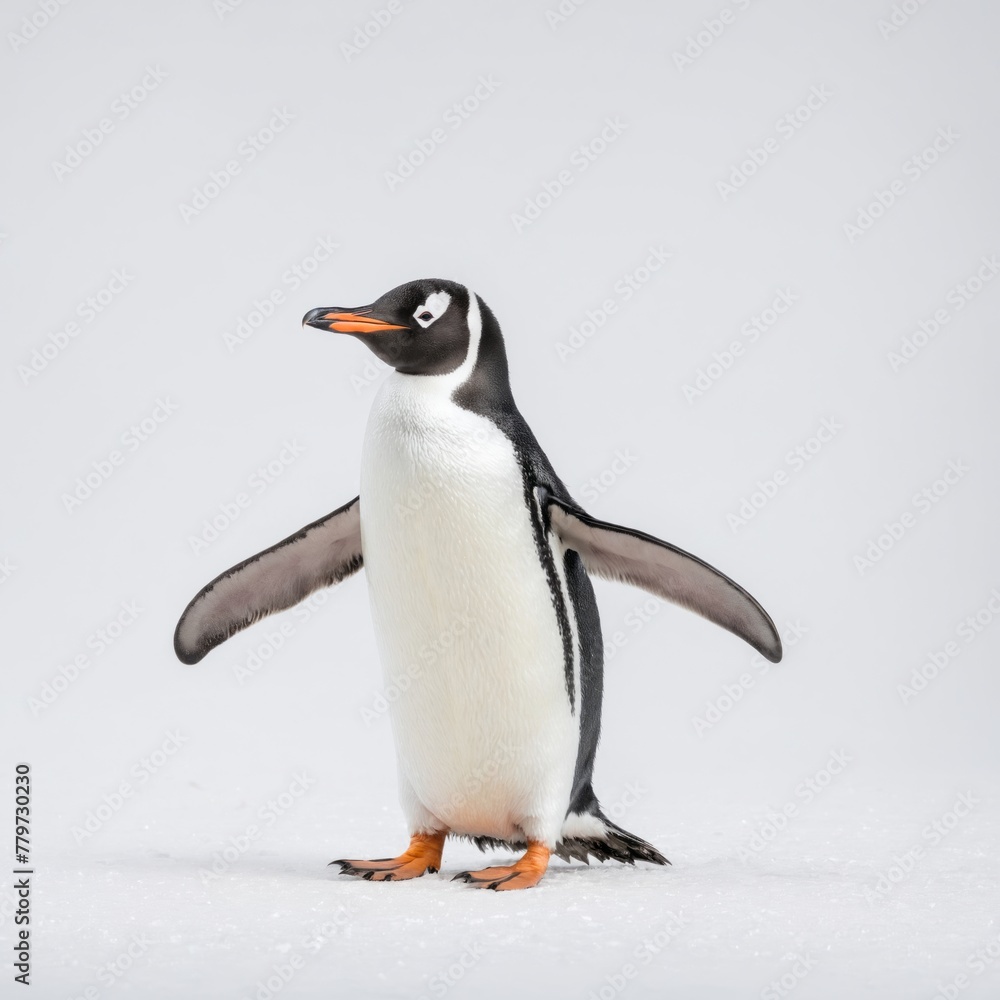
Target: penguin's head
x=420, y=328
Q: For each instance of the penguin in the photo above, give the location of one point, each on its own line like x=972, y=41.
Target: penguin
x=478, y=562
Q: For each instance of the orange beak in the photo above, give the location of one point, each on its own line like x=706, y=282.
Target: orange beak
x=344, y=321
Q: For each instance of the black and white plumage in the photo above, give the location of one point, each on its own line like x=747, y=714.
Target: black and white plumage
x=475, y=550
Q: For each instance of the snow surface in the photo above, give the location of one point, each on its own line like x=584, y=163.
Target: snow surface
x=293, y=703
x=727, y=927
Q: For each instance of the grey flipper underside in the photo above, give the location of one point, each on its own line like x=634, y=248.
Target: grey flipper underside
x=320, y=554
x=629, y=556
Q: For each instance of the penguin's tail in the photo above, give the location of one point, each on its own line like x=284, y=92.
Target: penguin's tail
x=592, y=834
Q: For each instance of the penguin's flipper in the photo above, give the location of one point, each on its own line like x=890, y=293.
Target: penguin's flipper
x=629, y=556
x=318, y=555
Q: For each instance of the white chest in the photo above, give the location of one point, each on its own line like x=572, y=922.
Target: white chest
x=465, y=623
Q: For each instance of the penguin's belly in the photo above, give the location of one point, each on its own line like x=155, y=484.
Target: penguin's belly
x=465, y=621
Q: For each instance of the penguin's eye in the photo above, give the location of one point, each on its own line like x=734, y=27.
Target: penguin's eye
x=434, y=308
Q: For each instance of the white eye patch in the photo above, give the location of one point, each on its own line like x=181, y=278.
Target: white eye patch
x=434, y=308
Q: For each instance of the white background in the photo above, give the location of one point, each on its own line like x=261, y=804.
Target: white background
x=701, y=794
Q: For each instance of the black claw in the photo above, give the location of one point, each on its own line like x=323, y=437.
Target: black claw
x=472, y=880
x=500, y=881
x=348, y=868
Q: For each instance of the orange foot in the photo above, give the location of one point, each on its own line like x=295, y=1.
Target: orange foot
x=523, y=874
x=423, y=855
